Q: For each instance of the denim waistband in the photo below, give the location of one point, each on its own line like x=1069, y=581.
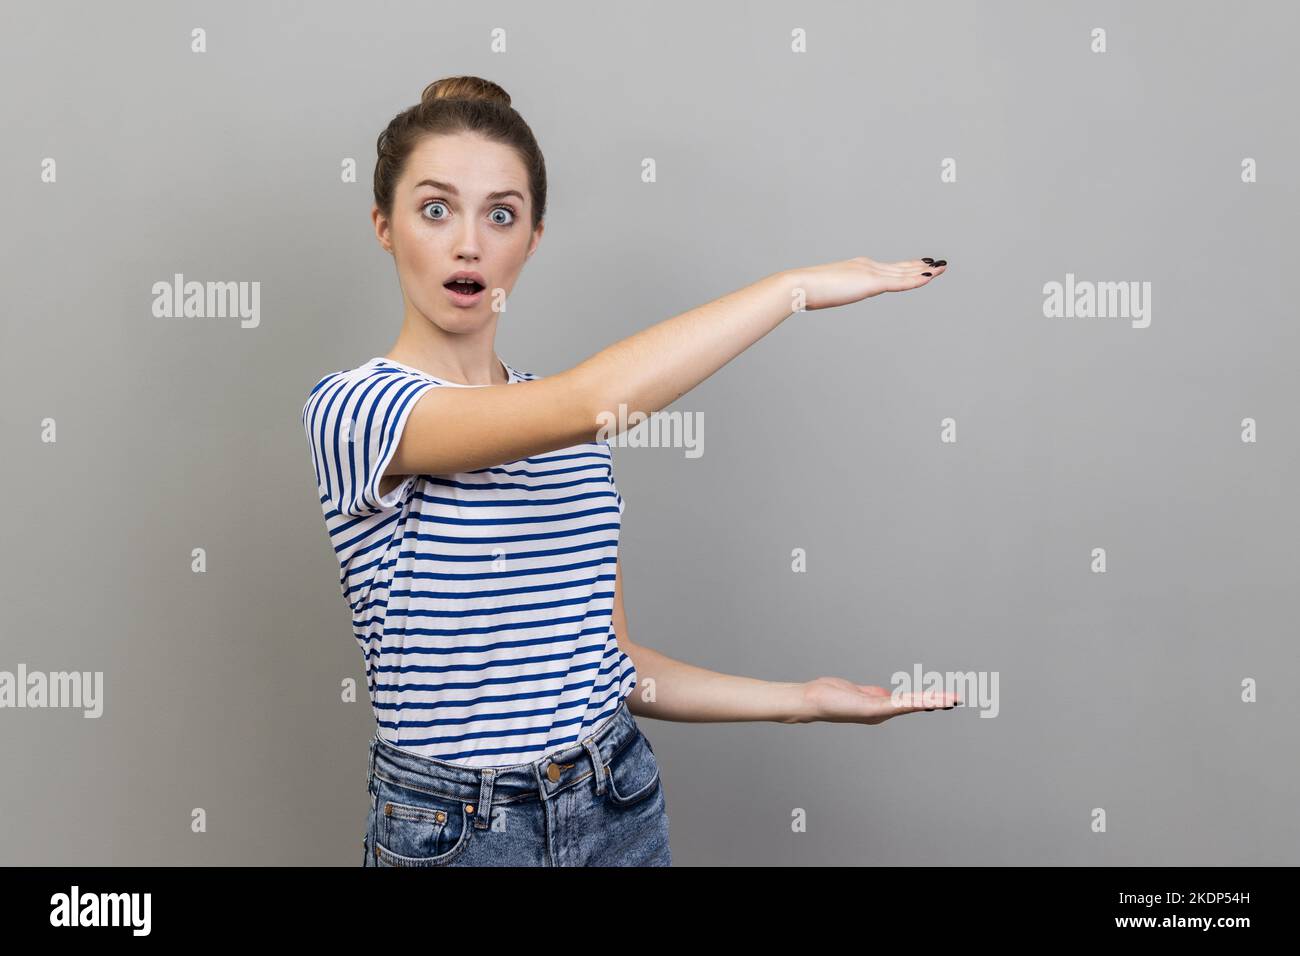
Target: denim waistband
x=482, y=788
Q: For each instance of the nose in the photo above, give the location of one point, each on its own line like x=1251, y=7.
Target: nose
x=467, y=245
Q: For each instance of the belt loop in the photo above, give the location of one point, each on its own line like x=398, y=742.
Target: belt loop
x=598, y=765
x=483, y=812
x=370, y=768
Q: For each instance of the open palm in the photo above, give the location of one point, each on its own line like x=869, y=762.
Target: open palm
x=836, y=700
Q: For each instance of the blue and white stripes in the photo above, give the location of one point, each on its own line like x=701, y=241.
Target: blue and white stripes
x=482, y=601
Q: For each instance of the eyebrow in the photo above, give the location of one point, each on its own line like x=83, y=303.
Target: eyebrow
x=448, y=187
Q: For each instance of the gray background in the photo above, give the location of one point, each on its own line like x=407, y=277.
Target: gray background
x=1118, y=690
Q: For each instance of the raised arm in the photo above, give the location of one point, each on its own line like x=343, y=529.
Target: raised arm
x=462, y=429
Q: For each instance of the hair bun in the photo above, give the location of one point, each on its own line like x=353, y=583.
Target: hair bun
x=464, y=88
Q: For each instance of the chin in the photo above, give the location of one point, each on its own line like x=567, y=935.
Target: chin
x=460, y=321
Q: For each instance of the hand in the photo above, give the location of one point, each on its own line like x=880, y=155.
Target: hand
x=836, y=700
x=839, y=283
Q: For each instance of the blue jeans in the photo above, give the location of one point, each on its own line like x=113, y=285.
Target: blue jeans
x=598, y=802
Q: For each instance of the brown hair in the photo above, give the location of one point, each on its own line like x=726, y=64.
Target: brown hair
x=451, y=105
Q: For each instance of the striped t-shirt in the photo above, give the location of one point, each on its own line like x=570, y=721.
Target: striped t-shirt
x=482, y=601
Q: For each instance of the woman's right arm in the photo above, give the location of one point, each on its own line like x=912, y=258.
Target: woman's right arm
x=463, y=429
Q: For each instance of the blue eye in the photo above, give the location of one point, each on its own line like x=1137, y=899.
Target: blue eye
x=508, y=210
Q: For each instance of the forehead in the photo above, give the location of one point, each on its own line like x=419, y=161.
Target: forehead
x=471, y=163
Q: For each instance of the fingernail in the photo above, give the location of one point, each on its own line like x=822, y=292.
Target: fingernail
x=928, y=261
x=941, y=262
x=927, y=273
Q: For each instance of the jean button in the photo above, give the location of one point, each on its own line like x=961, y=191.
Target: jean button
x=554, y=773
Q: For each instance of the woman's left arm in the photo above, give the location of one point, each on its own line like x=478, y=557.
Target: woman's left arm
x=684, y=692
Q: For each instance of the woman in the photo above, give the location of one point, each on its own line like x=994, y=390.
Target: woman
x=473, y=511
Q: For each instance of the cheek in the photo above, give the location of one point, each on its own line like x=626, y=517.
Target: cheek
x=423, y=252
x=513, y=258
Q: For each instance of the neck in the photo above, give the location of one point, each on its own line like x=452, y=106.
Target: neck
x=466, y=359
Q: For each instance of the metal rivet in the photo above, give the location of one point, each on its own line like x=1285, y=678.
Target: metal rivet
x=442, y=817
x=388, y=809
x=469, y=808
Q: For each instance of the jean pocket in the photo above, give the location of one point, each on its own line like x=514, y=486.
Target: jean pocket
x=414, y=828
x=633, y=772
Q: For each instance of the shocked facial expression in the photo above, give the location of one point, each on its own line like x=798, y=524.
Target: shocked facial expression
x=460, y=229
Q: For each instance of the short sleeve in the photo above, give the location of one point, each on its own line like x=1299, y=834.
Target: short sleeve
x=618, y=498
x=354, y=421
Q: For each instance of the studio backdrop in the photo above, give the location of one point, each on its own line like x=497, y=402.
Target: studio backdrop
x=1064, y=477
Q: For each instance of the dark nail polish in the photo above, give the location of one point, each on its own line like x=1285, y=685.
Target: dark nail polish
x=941, y=262
x=927, y=273
x=928, y=261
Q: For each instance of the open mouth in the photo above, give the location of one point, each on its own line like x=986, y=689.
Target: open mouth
x=463, y=286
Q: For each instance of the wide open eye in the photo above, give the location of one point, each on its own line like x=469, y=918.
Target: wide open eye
x=435, y=202
x=508, y=211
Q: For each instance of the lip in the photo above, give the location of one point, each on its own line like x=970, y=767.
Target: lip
x=472, y=276
x=461, y=299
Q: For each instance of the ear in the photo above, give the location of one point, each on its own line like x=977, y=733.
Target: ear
x=383, y=229
x=537, y=238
